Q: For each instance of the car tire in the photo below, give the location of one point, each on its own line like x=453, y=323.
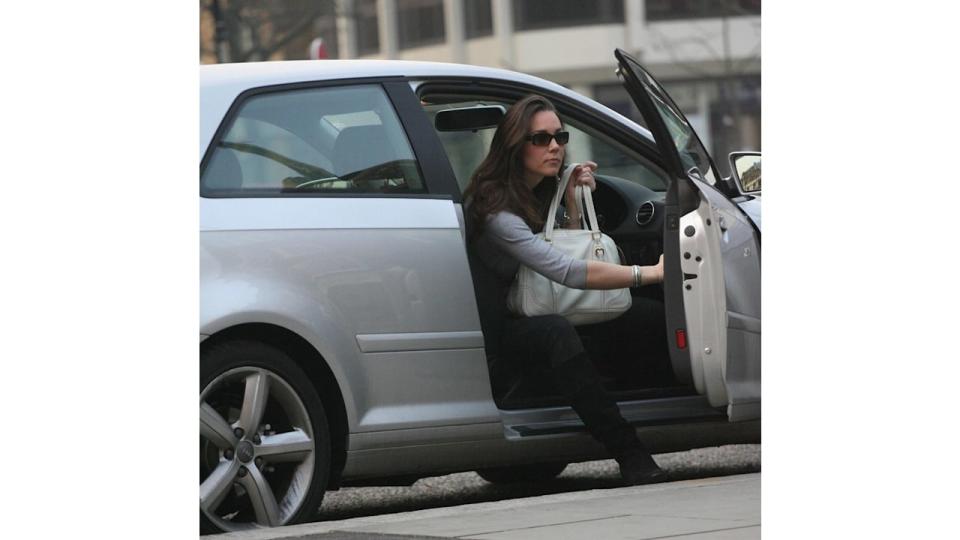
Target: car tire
x=537, y=472
x=264, y=439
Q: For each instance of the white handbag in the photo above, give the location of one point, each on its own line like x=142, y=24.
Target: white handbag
x=532, y=294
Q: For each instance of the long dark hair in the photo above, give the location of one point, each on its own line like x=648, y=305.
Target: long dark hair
x=498, y=183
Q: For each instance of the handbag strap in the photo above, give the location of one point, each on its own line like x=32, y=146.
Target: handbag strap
x=555, y=203
x=581, y=195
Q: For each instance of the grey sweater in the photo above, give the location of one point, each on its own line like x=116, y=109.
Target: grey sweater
x=507, y=242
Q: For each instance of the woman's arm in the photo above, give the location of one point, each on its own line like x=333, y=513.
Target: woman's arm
x=601, y=275
x=511, y=234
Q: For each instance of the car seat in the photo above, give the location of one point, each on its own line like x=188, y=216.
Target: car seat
x=359, y=148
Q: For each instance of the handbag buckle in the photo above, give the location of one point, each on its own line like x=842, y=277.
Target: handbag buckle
x=599, y=251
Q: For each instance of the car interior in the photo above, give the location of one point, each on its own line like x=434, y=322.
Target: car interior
x=631, y=352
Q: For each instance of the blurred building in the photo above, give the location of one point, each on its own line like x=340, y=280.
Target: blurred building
x=260, y=30
x=705, y=52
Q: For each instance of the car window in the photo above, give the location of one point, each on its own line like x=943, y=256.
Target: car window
x=691, y=151
x=466, y=149
x=321, y=140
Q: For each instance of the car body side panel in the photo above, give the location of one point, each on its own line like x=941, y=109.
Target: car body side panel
x=428, y=451
x=332, y=213
x=751, y=206
x=262, y=299
x=391, y=271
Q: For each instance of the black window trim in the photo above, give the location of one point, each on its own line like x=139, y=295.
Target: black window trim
x=437, y=172
x=568, y=107
x=436, y=186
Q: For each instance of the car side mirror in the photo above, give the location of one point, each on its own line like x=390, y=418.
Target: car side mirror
x=469, y=118
x=745, y=168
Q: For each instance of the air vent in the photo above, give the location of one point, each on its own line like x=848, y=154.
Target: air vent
x=645, y=213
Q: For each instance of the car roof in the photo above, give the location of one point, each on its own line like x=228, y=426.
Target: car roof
x=220, y=84
x=254, y=74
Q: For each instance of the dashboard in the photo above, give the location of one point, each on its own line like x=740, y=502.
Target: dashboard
x=632, y=215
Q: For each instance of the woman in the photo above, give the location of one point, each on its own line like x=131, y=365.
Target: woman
x=506, y=202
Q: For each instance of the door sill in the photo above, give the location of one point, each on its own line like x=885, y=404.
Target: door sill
x=559, y=420
x=520, y=402
x=575, y=426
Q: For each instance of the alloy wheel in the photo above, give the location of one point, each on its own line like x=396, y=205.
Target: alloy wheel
x=257, y=450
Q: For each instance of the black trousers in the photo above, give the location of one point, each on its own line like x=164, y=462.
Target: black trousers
x=631, y=347
x=549, y=344
x=542, y=342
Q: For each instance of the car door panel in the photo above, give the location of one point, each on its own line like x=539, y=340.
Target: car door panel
x=740, y=255
x=703, y=300
x=718, y=258
x=722, y=301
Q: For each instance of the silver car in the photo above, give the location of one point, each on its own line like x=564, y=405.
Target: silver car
x=339, y=337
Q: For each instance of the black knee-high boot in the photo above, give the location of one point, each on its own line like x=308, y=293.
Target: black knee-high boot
x=578, y=381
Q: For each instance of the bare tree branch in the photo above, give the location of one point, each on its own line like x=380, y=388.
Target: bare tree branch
x=672, y=53
x=255, y=49
x=753, y=56
x=272, y=26
x=291, y=34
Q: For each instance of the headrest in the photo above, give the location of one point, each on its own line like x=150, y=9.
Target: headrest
x=361, y=147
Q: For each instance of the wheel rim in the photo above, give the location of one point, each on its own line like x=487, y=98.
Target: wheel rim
x=256, y=450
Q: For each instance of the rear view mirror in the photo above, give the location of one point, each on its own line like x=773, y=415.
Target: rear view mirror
x=469, y=118
x=745, y=167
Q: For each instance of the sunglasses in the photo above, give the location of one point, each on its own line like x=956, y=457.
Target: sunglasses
x=543, y=139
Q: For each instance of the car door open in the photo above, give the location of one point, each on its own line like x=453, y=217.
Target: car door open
x=711, y=261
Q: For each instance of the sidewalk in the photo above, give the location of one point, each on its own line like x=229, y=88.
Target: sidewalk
x=723, y=508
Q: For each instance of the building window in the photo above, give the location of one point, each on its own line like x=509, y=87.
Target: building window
x=539, y=14
x=368, y=30
x=666, y=10
x=420, y=23
x=477, y=18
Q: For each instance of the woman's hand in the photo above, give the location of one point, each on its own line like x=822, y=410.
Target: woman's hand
x=657, y=271
x=582, y=176
x=604, y=275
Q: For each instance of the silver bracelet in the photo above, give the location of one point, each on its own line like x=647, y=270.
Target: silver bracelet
x=636, y=275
